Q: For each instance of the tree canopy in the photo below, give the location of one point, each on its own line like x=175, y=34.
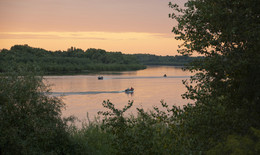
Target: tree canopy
x=226, y=85
x=72, y=60
x=178, y=60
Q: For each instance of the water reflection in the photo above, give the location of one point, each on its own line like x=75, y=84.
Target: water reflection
x=129, y=93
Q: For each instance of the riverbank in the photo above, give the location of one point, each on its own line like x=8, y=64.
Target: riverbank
x=96, y=69
x=78, y=61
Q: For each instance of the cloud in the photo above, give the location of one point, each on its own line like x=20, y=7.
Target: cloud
x=163, y=35
x=47, y=35
x=83, y=35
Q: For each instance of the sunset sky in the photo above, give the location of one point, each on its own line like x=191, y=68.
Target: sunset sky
x=129, y=26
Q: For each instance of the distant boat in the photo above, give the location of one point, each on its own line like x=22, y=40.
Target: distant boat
x=100, y=78
x=131, y=90
x=164, y=75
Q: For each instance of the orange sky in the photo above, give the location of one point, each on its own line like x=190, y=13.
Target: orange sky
x=129, y=26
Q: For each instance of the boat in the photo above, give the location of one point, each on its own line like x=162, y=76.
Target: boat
x=131, y=90
x=100, y=78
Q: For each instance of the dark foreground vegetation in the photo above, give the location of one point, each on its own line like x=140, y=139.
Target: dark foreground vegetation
x=31, y=123
x=224, y=118
x=73, y=60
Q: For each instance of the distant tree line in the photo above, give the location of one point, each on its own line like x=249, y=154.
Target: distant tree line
x=149, y=59
x=72, y=60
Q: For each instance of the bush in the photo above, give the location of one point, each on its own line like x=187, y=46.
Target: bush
x=30, y=119
x=239, y=145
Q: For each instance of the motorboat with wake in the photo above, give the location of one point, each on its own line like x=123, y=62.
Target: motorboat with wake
x=131, y=90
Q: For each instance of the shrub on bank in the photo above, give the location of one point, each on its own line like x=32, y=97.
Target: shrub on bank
x=30, y=120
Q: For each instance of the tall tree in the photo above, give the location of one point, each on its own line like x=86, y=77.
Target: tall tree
x=226, y=33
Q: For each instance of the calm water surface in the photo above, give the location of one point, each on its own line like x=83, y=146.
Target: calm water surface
x=85, y=93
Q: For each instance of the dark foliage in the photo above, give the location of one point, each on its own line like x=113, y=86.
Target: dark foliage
x=65, y=62
x=149, y=59
x=30, y=120
x=226, y=86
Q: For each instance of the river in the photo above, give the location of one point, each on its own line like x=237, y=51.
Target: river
x=84, y=94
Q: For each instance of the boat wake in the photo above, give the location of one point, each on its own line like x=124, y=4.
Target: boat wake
x=82, y=93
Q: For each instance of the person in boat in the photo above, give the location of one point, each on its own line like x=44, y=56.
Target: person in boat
x=131, y=89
